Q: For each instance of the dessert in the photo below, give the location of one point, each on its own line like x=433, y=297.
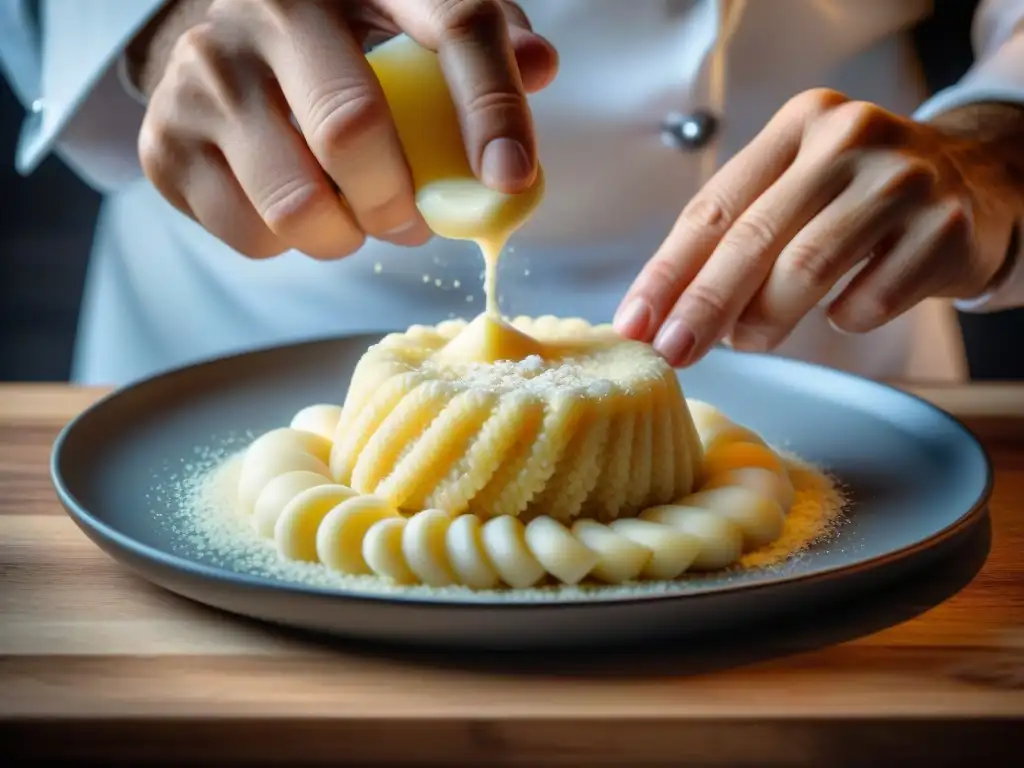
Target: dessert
x=571, y=422
x=445, y=469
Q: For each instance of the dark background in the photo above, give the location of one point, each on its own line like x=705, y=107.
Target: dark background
x=46, y=223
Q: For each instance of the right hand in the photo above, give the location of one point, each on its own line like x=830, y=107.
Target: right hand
x=218, y=141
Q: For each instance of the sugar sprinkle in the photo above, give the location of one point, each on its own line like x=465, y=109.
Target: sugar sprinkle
x=198, y=511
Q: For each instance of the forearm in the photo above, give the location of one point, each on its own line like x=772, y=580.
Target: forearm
x=150, y=50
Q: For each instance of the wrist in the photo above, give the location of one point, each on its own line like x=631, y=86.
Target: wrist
x=984, y=145
x=985, y=141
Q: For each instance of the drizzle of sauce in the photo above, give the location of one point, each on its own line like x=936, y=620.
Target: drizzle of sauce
x=454, y=203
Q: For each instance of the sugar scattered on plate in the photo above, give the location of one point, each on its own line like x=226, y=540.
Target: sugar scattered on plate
x=202, y=520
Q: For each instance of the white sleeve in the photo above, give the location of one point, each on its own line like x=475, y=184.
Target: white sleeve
x=996, y=76
x=19, y=50
x=81, y=109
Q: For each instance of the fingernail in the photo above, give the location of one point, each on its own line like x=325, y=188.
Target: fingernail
x=675, y=342
x=505, y=162
x=837, y=329
x=403, y=227
x=633, y=319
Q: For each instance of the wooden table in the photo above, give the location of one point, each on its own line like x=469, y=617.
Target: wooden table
x=95, y=662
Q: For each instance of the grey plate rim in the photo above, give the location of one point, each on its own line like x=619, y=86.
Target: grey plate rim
x=97, y=530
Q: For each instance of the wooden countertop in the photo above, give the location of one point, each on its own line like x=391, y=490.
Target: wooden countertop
x=95, y=662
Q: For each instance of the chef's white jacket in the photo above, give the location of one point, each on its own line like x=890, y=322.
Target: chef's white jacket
x=161, y=292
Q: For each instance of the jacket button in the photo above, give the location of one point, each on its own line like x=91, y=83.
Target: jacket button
x=688, y=133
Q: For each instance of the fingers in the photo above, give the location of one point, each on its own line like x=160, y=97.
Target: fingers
x=217, y=143
x=701, y=226
x=699, y=229
x=474, y=46
x=237, y=81
x=180, y=159
x=342, y=112
x=931, y=255
x=223, y=209
x=808, y=200
x=821, y=191
x=710, y=305
x=197, y=181
x=536, y=57
x=287, y=187
x=888, y=186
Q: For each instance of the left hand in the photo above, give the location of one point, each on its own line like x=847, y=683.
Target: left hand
x=829, y=185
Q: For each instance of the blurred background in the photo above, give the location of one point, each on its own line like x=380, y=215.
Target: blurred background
x=46, y=223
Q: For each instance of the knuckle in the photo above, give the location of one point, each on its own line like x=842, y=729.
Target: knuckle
x=226, y=7
x=858, y=113
x=197, y=45
x=162, y=156
x=248, y=13
x=855, y=121
x=707, y=213
x=751, y=234
x=495, y=104
x=343, y=112
x=291, y=204
x=661, y=273
x=202, y=72
x=152, y=147
x=816, y=101
x=808, y=263
x=907, y=176
x=810, y=104
x=955, y=223
x=707, y=302
x=191, y=42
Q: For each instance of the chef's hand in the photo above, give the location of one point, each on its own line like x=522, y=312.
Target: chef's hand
x=225, y=76
x=829, y=185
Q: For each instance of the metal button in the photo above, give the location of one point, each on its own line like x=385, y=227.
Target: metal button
x=37, y=106
x=688, y=132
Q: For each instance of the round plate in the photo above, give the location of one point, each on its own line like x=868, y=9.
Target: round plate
x=918, y=481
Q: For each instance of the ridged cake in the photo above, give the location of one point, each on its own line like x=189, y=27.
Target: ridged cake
x=576, y=422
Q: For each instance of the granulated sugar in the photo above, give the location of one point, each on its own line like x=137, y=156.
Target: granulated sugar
x=207, y=525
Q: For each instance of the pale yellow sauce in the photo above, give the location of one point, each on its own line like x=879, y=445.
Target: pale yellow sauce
x=454, y=203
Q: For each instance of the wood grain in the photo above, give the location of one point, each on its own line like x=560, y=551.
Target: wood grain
x=96, y=663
